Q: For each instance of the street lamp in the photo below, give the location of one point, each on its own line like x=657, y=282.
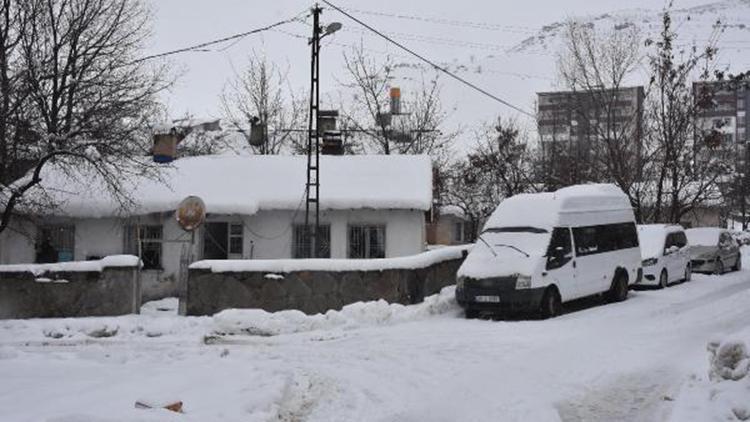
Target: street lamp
x=312, y=186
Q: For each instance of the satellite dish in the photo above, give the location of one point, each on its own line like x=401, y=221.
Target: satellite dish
x=191, y=213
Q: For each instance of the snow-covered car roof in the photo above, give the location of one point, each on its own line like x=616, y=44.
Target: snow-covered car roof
x=704, y=236
x=230, y=184
x=652, y=237
x=543, y=210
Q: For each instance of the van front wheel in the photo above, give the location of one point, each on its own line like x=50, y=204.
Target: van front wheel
x=551, y=305
x=619, y=289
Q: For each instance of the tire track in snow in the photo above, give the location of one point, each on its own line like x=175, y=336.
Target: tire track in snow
x=636, y=396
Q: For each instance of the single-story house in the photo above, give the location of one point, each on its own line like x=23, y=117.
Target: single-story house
x=449, y=226
x=371, y=207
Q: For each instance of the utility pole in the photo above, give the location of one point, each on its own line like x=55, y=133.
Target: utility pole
x=312, y=186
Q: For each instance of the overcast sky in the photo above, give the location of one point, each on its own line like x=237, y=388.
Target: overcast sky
x=180, y=23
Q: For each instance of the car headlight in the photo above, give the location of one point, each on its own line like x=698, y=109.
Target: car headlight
x=649, y=262
x=523, y=282
x=460, y=282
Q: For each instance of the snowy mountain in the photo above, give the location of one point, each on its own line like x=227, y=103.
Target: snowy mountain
x=508, y=51
x=528, y=66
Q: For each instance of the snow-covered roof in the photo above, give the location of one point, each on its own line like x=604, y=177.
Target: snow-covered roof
x=453, y=210
x=231, y=184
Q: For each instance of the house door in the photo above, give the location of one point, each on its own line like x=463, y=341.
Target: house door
x=215, y=238
x=222, y=240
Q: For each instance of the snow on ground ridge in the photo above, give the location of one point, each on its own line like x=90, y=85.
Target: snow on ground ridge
x=257, y=322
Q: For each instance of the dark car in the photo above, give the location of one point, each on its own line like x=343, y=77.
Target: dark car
x=713, y=250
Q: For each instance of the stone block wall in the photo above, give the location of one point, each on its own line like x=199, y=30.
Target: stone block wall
x=111, y=291
x=313, y=291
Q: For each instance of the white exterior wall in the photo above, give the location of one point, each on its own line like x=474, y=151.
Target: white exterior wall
x=267, y=235
x=17, y=244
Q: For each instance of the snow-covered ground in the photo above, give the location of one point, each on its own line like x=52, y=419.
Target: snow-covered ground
x=643, y=359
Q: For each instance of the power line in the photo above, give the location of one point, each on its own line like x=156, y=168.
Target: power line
x=431, y=63
x=450, y=22
x=197, y=47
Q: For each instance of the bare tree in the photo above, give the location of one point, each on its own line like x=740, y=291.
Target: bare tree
x=688, y=165
x=88, y=99
x=416, y=131
x=13, y=22
x=498, y=167
x=260, y=96
x=603, y=130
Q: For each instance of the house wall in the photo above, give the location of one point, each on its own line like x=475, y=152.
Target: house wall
x=267, y=235
x=16, y=244
x=703, y=217
x=444, y=231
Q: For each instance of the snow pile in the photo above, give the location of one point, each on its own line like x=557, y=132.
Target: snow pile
x=152, y=324
x=725, y=394
x=729, y=360
x=112, y=261
x=256, y=322
x=273, y=266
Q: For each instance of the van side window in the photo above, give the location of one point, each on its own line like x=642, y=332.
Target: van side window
x=560, y=250
x=628, y=235
x=586, y=240
x=605, y=238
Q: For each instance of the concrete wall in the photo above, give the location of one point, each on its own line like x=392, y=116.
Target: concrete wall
x=113, y=291
x=313, y=291
x=267, y=235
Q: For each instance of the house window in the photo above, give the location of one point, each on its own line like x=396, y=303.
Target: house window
x=222, y=240
x=458, y=232
x=145, y=241
x=366, y=241
x=302, y=242
x=55, y=244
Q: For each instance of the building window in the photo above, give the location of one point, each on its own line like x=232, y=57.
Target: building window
x=302, y=242
x=223, y=240
x=55, y=244
x=146, y=242
x=741, y=104
x=366, y=241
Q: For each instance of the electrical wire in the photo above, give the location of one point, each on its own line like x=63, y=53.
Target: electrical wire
x=199, y=47
x=450, y=22
x=431, y=63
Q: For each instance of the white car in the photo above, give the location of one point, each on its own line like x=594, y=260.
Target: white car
x=666, y=254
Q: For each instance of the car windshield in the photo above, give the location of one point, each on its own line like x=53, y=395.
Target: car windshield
x=517, y=240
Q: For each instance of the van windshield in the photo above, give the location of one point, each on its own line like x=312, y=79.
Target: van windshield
x=514, y=240
x=520, y=229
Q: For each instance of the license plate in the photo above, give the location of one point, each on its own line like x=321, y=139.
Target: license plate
x=487, y=299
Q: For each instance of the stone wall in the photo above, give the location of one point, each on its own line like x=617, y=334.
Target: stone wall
x=111, y=291
x=312, y=291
